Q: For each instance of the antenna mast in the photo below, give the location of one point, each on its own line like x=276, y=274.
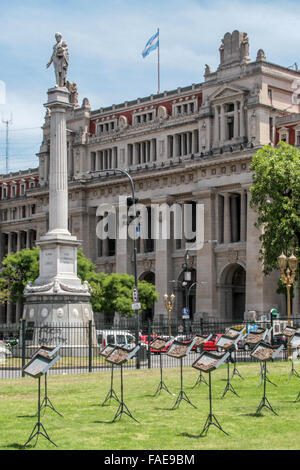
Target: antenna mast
x=7, y=123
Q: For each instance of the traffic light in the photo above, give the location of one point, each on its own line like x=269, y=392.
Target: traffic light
x=131, y=201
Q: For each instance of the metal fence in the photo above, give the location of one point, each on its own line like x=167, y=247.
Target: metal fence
x=81, y=344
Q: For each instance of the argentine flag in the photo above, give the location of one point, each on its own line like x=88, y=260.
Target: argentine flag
x=151, y=45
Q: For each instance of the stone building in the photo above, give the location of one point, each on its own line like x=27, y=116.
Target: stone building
x=188, y=146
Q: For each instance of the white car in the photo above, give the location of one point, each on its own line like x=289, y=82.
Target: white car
x=115, y=337
x=4, y=352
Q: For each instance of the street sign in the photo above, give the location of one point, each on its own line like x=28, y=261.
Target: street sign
x=136, y=306
x=185, y=313
x=251, y=328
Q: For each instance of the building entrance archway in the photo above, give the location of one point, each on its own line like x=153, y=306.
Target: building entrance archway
x=233, y=292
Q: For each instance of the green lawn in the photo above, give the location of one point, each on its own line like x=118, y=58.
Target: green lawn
x=88, y=425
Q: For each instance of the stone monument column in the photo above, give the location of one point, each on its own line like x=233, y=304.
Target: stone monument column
x=58, y=297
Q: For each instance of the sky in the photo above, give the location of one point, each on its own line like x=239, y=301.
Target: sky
x=105, y=40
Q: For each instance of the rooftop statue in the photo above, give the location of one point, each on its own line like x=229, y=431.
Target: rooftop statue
x=60, y=60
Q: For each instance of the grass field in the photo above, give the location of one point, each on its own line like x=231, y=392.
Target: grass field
x=87, y=425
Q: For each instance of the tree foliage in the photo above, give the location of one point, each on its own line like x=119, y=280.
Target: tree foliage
x=110, y=292
x=276, y=198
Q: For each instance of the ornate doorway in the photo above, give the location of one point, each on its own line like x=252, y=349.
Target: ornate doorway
x=233, y=292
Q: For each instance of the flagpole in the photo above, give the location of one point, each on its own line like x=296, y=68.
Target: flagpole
x=158, y=64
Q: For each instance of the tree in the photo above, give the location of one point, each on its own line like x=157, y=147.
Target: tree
x=276, y=198
x=18, y=269
x=110, y=292
x=113, y=293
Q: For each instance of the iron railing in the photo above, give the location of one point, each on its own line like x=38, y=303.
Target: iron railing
x=81, y=344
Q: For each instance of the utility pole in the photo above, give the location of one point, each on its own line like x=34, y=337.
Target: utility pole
x=7, y=123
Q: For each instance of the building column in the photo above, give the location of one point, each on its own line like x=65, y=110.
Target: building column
x=206, y=293
x=28, y=238
x=18, y=241
x=236, y=120
x=9, y=242
x=242, y=119
x=163, y=266
x=296, y=300
x=243, y=216
x=216, y=138
x=227, y=221
x=222, y=136
x=9, y=313
x=234, y=219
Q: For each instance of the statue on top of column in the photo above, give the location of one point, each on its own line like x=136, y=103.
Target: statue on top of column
x=60, y=60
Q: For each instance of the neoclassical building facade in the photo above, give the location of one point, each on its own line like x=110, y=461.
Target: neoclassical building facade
x=188, y=146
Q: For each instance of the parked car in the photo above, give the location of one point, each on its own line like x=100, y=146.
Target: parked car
x=245, y=346
x=114, y=337
x=210, y=345
x=4, y=352
x=145, y=339
x=280, y=339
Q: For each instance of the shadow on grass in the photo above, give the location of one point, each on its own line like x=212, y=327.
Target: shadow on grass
x=27, y=416
x=254, y=415
x=104, y=422
x=15, y=446
x=193, y=436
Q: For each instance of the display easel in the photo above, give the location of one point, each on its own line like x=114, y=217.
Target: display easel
x=37, y=367
x=228, y=343
x=207, y=362
x=111, y=394
x=229, y=387
x=235, y=333
x=158, y=344
x=199, y=341
x=46, y=400
x=179, y=350
x=265, y=352
x=295, y=344
x=48, y=351
x=118, y=357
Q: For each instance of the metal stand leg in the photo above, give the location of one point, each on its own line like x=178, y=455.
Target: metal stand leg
x=263, y=375
x=298, y=398
x=264, y=401
x=111, y=393
x=122, y=407
x=235, y=370
x=228, y=387
x=182, y=395
x=161, y=385
x=38, y=428
x=200, y=379
x=211, y=419
x=46, y=400
x=293, y=372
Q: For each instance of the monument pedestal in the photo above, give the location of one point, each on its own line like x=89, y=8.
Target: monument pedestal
x=58, y=302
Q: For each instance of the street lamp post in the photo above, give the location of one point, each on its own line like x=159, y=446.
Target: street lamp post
x=288, y=268
x=124, y=172
x=169, y=305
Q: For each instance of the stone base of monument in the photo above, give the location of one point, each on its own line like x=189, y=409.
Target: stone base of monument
x=59, y=319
